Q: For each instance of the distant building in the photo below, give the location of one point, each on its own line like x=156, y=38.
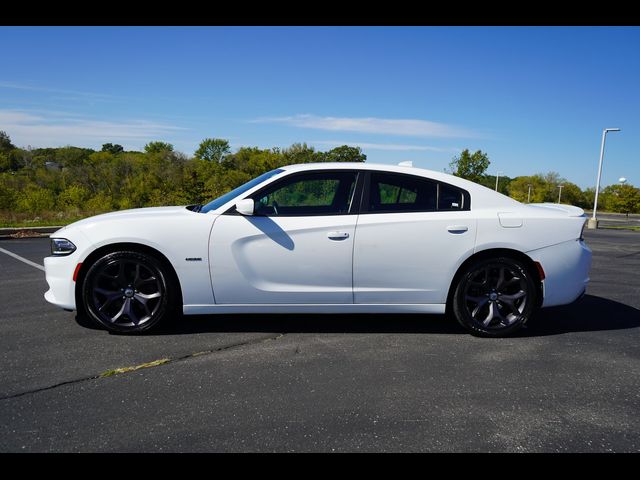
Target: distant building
x=52, y=166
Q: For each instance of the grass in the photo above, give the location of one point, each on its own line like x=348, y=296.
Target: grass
x=635, y=228
x=118, y=371
x=45, y=219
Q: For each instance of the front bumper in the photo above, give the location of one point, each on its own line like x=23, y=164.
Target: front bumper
x=59, y=276
x=59, y=270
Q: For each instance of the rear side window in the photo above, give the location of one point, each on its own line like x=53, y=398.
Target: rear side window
x=390, y=192
x=401, y=193
x=450, y=198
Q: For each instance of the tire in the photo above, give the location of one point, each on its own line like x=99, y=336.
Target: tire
x=495, y=297
x=129, y=292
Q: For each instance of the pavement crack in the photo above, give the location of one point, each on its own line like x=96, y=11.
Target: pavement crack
x=227, y=347
x=155, y=363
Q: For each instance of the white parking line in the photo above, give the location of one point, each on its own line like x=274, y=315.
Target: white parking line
x=24, y=260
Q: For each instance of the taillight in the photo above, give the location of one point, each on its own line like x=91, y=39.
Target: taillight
x=540, y=270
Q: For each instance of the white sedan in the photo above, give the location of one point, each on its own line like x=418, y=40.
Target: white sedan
x=326, y=238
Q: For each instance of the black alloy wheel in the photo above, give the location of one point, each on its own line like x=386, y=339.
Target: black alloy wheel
x=495, y=297
x=128, y=292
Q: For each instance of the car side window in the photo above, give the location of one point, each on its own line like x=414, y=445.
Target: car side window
x=390, y=192
x=450, y=198
x=401, y=193
x=320, y=193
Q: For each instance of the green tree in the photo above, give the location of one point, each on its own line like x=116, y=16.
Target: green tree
x=111, y=148
x=470, y=166
x=5, y=142
x=345, y=153
x=588, y=197
x=519, y=189
x=572, y=194
x=73, y=197
x=7, y=162
x=212, y=149
x=545, y=188
x=8, y=194
x=624, y=199
x=35, y=200
x=489, y=181
x=99, y=203
x=158, y=147
x=300, y=153
x=252, y=160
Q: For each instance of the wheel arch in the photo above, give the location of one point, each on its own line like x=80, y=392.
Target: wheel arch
x=115, y=247
x=493, y=253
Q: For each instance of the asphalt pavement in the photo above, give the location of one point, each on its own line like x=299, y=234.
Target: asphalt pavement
x=570, y=382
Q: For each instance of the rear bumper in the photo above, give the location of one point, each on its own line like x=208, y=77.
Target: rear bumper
x=566, y=266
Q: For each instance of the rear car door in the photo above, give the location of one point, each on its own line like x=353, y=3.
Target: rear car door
x=411, y=236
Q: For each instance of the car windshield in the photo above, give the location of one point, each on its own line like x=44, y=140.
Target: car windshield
x=218, y=202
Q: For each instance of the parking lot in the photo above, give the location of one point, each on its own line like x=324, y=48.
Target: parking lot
x=344, y=383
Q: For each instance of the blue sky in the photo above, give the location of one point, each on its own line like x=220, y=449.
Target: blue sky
x=534, y=98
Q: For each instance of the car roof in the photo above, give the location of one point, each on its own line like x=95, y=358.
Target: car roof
x=372, y=166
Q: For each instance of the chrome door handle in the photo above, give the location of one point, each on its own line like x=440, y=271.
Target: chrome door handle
x=337, y=235
x=457, y=228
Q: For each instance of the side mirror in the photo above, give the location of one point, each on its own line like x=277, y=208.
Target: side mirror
x=245, y=207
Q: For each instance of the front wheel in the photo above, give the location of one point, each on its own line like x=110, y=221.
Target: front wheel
x=495, y=297
x=128, y=292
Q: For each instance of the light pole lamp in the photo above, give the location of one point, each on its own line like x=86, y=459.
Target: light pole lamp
x=560, y=194
x=593, y=223
x=529, y=194
x=497, y=177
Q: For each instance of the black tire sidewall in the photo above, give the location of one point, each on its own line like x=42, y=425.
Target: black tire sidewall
x=464, y=317
x=150, y=262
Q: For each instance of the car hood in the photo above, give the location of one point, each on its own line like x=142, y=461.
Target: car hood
x=131, y=214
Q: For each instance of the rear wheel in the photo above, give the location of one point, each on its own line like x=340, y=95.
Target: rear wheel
x=495, y=297
x=129, y=292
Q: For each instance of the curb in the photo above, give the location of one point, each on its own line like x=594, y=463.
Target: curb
x=27, y=232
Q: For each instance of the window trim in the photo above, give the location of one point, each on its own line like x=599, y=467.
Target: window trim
x=354, y=207
x=366, y=197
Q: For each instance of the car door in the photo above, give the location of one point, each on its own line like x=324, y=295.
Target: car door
x=411, y=236
x=296, y=249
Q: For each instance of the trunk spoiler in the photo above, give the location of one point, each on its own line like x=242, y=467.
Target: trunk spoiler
x=568, y=210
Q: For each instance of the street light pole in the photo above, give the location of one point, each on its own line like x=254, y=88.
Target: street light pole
x=497, y=177
x=560, y=194
x=529, y=194
x=593, y=223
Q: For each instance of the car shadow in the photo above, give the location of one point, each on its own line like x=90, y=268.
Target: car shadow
x=589, y=314
x=272, y=230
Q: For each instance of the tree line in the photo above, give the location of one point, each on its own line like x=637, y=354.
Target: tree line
x=60, y=185
x=545, y=187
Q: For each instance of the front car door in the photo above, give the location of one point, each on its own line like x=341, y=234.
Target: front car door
x=411, y=236
x=296, y=249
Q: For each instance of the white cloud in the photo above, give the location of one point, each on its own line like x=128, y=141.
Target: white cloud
x=387, y=146
x=46, y=129
x=383, y=126
x=35, y=88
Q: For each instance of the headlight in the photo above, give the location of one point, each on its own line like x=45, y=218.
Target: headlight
x=61, y=247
